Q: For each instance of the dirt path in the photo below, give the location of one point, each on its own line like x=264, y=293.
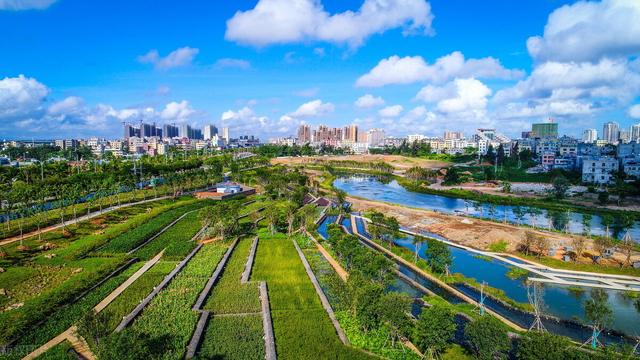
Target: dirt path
x=476, y=233
x=397, y=161
x=79, y=219
x=334, y=264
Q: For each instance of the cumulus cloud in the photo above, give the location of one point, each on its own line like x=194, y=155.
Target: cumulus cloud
x=457, y=96
x=16, y=5
x=391, y=111
x=369, y=101
x=295, y=21
x=589, y=31
x=634, y=111
x=177, y=111
x=178, y=58
x=232, y=63
x=21, y=96
x=411, y=69
x=246, y=121
x=313, y=108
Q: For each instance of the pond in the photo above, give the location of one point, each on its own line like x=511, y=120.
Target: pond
x=373, y=188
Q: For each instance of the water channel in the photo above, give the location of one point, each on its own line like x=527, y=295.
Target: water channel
x=561, y=302
x=375, y=189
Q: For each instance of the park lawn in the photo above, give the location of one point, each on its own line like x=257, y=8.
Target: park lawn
x=136, y=292
x=169, y=315
x=302, y=328
x=233, y=338
x=228, y=295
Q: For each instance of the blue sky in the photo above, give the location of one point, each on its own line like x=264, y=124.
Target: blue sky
x=72, y=68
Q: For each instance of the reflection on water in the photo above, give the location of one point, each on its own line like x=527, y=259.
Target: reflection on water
x=577, y=223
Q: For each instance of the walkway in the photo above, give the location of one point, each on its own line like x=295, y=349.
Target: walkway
x=78, y=343
x=548, y=274
x=426, y=275
x=334, y=264
x=79, y=219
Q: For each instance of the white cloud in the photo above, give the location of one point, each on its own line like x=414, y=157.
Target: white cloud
x=180, y=57
x=294, y=21
x=458, y=96
x=369, y=101
x=634, y=111
x=313, y=108
x=232, y=63
x=411, y=69
x=177, y=111
x=589, y=31
x=68, y=105
x=391, y=111
x=246, y=121
x=607, y=79
x=25, y=4
x=21, y=96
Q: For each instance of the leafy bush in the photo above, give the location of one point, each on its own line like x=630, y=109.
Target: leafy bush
x=535, y=345
x=487, y=338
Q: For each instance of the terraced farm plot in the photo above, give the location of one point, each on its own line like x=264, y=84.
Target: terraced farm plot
x=233, y=337
x=301, y=326
x=228, y=295
x=176, y=240
x=137, y=236
x=169, y=315
x=137, y=291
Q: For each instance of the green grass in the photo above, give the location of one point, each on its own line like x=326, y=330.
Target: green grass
x=137, y=291
x=498, y=246
x=233, y=337
x=59, y=352
x=62, y=319
x=517, y=273
x=176, y=240
x=228, y=295
x=169, y=314
x=301, y=326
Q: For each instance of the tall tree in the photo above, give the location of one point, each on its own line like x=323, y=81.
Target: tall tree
x=434, y=329
x=438, y=255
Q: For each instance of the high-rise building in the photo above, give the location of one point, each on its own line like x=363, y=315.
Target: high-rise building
x=170, y=131
x=611, y=132
x=624, y=136
x=350, y=133
x=589, y=136
x=209, y=131
x=225, y=134
x=130, y=131
x=185, y=131
x=635, y=133
x=545, y=130
x=304, y=134
x=453, y=135
x=375, y=137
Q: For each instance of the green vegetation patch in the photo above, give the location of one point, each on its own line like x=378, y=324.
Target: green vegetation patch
x=233, y=337
x=228, y=295
x=176, y=240
x=169, y=314
x=499, y=246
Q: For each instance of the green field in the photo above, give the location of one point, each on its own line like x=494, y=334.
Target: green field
x=301, y=326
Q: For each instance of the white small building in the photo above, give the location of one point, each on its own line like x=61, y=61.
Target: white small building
x=599, y=170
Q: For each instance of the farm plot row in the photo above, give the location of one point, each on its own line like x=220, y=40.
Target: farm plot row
x=169, y=316
x=228, y=295
x=62, y=319
x=41, y=294
x=176, y=240
x=130, y=240
x=302, y=328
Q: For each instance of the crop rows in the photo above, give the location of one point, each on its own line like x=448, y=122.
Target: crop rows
x=302, y=328
x=62, y=319
x=233, y=337
x=169, y=314
x=176, y=240
x=131, y=239
x=137, y=291
x=229, y=296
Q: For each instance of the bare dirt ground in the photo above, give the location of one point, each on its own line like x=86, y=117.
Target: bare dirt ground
x=397, y=161
x=474, y=233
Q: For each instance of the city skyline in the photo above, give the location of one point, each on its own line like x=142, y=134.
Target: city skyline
x=417, y=71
